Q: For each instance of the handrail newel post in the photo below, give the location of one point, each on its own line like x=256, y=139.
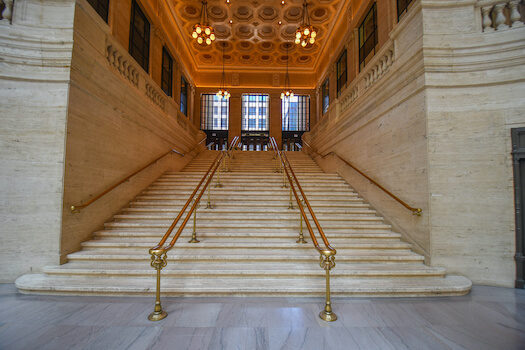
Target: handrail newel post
x=290, y=205
x=218, y=184
x=301, y=236
x=158, y=261
x=208, y=205
x=327, y=262
x=194, y=235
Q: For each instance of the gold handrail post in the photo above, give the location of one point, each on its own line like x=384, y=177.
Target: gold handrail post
x=301, y=237
x=327, y=262
x=208, y=205
x=194, y=235
x=218, y=184
x=158, y=261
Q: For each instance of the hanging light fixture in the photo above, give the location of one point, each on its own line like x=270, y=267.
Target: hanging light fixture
x=223, y=92
x=203, y=31
x=287, y=92
x=306, y=33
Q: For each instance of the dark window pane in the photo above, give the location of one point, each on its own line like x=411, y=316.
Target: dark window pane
x=167, y=72
x=295, y=113
x=102, y=7
x=368, y=36
x=139, y=36
x=183, y=96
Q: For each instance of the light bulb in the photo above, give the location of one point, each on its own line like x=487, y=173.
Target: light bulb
x=200, y=40
x=282, y=95
x=312, y=40
x=207, y=31
x=297, y=40
x=194, y=35
x=298, y=34
x=291, y=95
x=306, y=31
x=208, y=41
x=314, y=33
x=198, y=29
x=212, y=36
x=303, y=44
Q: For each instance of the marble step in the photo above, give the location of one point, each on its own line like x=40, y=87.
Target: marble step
x=278, y=269
x=249, y=211
x=266, y=235
x=239, y=205
x=207, y=214
x=199, y=254
x=245, y=226
x=214, y=245
x=248, y=286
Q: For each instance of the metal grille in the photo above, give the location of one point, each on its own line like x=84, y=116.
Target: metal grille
x=214, y=112
x=255, y=112
x=296, y=113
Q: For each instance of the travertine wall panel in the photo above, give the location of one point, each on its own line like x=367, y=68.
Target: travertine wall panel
x=113, y=130
x=34, y=70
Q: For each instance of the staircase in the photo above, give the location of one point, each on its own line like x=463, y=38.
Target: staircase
x=247, y=241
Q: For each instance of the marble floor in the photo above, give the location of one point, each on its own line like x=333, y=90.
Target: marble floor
x=488, y=318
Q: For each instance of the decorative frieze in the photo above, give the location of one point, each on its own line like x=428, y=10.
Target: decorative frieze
x=501, y=16
x=155, y=96
x=121, y=63
x=7, y=13
x=350, y=98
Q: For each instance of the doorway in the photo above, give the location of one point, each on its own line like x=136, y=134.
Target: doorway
x=518, y=152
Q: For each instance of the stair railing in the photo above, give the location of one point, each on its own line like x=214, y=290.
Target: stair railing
x=76, y=208
x=415, y=211
x=159, y=252
x=327, y=258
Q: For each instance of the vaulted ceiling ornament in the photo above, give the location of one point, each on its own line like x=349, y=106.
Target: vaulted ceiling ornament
x=203, y=31
x=306, y=33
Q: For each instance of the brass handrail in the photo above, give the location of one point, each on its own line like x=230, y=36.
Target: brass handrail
x=76, y=208
x=158, y=253
x=415, y=211
x=327, y=260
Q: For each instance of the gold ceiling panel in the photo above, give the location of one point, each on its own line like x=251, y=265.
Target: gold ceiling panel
x=255, y=39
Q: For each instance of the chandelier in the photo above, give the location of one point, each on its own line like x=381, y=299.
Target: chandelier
x=203, y=31
x=223, y=93
x=306, y=33
x=287, y=92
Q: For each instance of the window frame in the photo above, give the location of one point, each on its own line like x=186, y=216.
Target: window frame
x=363, y=42
x=298, y=120
x=255, y=123
x=101, y=7
x=183, y=95
x=342, y=71
x=208, y=104
x=402, y=8
x=325, y=95
x=141, y=55
x=166, y=78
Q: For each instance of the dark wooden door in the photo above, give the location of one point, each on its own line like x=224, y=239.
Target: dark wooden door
x=518, y=152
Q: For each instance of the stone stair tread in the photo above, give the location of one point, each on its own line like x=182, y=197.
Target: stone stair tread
x=449, y=285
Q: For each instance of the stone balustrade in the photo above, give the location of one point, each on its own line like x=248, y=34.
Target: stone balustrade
x=502, y=15
x=155, y=96
x=7, y=13
x=373, y=72
x=121, y=62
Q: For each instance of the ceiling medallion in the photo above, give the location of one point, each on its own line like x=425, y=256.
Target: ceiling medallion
x=306, y=33
x=223, y=92
x=203, y=31
x=287, y=92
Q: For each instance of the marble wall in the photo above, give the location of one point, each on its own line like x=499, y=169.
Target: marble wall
x=35, y=57
x=434, y=129
x=118, y=121
x=77, y=115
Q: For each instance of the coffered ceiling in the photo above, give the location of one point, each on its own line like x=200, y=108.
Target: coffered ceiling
x=260, y=34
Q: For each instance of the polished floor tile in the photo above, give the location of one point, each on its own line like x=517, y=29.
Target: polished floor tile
x=488, y=318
